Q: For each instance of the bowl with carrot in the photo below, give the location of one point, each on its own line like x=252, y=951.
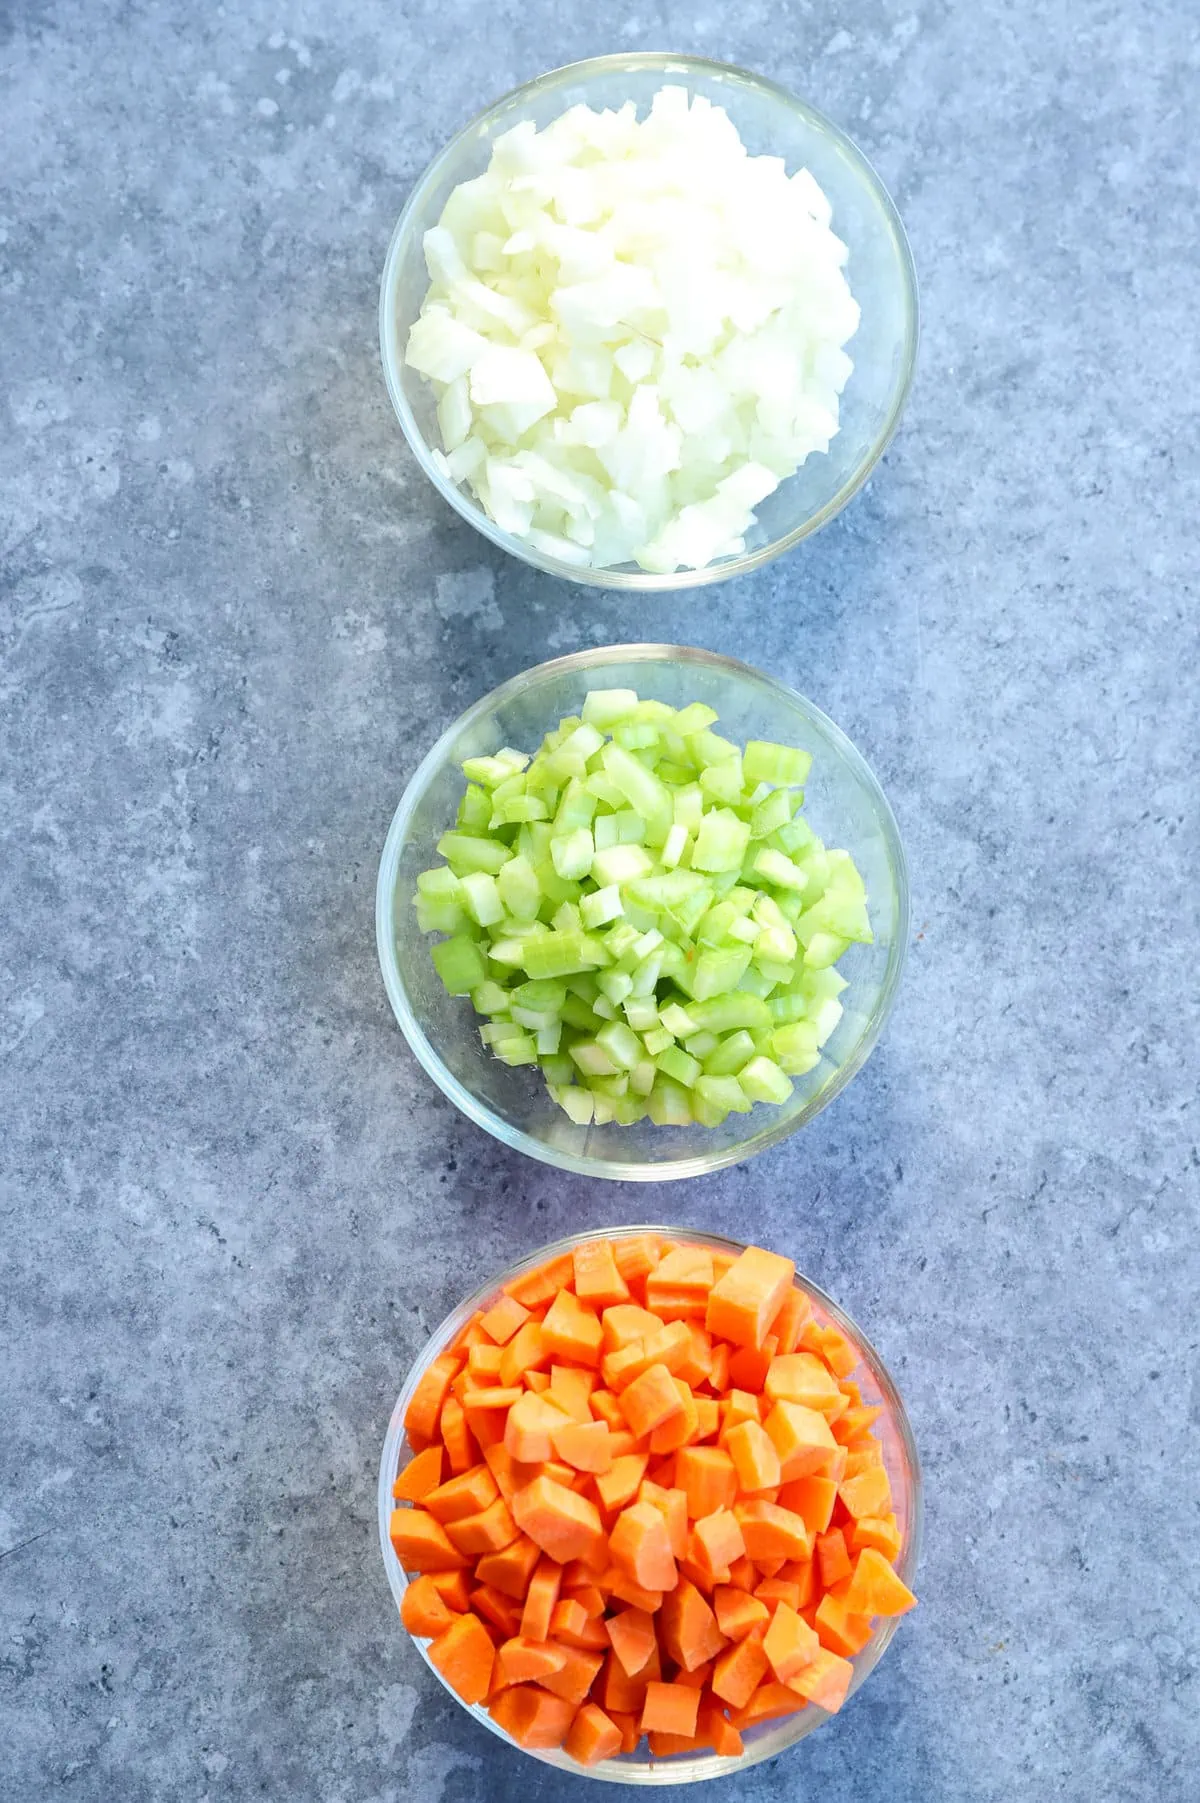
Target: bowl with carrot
x=650, y=1505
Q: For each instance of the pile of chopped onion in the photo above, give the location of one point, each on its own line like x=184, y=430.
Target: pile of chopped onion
x=635, y=330
x=641, y=910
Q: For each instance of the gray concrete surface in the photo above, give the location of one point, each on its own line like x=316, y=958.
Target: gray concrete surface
x=232, y=616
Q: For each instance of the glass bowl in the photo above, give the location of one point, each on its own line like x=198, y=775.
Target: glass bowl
x=766, y=1739
x=845, y=806
x=771, y=122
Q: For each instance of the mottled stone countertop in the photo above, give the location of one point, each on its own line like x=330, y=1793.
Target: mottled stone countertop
x=232, y=617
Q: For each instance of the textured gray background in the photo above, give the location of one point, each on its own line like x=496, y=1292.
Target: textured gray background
x=232, y=616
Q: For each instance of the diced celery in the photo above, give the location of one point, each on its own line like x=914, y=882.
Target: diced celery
x=439, y=884
x=718, y=971
x=688, y=807
x=743, y=931
x=775, y=972
x=580, y=1014
x=481, y=898
x=643, y=791
x=796, y=837
x=491, y=998
x=592, y=1058
x=669, y=1105
x=671, y=773
x=606, y=792
x=726, y=1014
x=656, y=1040
x=604, y=707
x=673, y=846
x=620, y=864
x=604, y=1109
x=825, y=1017
x=517, y=1051
x=677, y=1020
x=723, y=1093
x=509, y=952
x=572, y=854
x=768, y=763
x=635, y=735
x=641, y=1077
x=601, y=906
x=436, y=916
x=728, y=1057
x=755, y=983
x=567, y=918
x=616, y=1087
x=778, y=869
x=576, y=1103
x=460, y=964
x=721, y=841
x=762, y=1081
x=518, y=886
x=693, y=718
x=557, y=954
x=710, y=748
x=723, y=781
x=517, y=809
x=699, y=1045
x=642, y=1013
x=824, y=949
x=475, y=809
x=794, y=1047
x=615, y=985
x=676, y=1063
x=769, y=814
x=621, y=1043
x=576, y=808
x=465, y=852
x=604, y=1008
x=583, y=743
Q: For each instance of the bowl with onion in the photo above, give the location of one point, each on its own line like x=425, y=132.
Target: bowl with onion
x=648, y=321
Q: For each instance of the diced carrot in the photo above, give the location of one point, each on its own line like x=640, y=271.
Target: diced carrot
x=624, y=1324
x=483, y=1365
x=833, y=1347
x=560, y=1521
x=453, y=1588
x=571, y=1387
x=537, y=1381
x=745, y=1300
x=574, y=1627
x=754, y=1457
x=572, y=1331
x=421, y=1416
x=593, y=1736
x=854, y=1423
x=779, y=1590
x=790, y=1643
x=619, y=1484
x=585, y=1446
x=523, y=1661
x=509, y=1569
x=720, y=1537
x=597, y=1279
x=632, y=1635
x=748, y=1366
x=860, y=1456
x=708, y=1418
x=540, y=1598
x=677, y=1432
x=640, y=1544
x=769, y=1700
x=688, y=1628
x=670, y=1709
x=883, y=1534
x=543, y=1284
x=737, y=1612
x=738, y=1672
x=833, y=1560
x=665, y=1746
x=801, y=1377
x=618, y=1692
x=528, y=1431
x=841, y=1630
x=824, y=1681
x=678, y=1286
x=869, y=1493
x=534, y=1719
x=672, y=1506
x=771, y=1532
x=713, y=1730
x=629, y=1730
x=526, y=1351
x=635, y=1259
x=718, y=1376
x=473, y=1333
x=576, y=1675
x=501, y=1321
x=802, y=1439
x=708, y=1478
x=423, y=1611
x=461, y=1448
x=743, y=1574
x=464, y=1655
x=509, y=1475
x=625, y=1589
x=421, y=1475
x=463, y=1495
x=661, y=1471
x=605, y=1407
x=492, y=1606
x=488, y=1532
x=812, y=1498
x=697, y=1678
x=650, y=1400
x=420, y=1542
x=875, y=1589
x=794, y=1311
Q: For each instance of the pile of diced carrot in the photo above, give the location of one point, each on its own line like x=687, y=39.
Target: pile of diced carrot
x=645, y=1498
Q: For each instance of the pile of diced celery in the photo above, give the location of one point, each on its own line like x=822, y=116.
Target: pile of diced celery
x=641, y=910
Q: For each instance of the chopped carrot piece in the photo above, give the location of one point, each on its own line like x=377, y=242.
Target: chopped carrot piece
x=841, y=1630
x=488, y=1532
x=619, y=1484
x=754, y=1456
x=632, y=1635
x=537, y=1381
x=542, y=1285
x=713, y=1730
x=670, y=1435
x=883, y=1534
x=833, y=1560
x=670, y=1709
x=560, y=1521
x=463, y=1495
x=535, y=1719
x=453, y=1588
x=708, y=1418
x=526, y=1351
x=769, y=1700
x=824, y=1681
x=529, y=1430
x=423, y=1611
x=738, y=1613
x=509, y=1569
x=571, y=1624
x=572, y=1331
x=624, y=1324
x=501, y=1321
x=779, y=1590
x=802, y=1439
x=523, y=1661
x=650, y=1400
x=875, y=1589
x=745, y=1300
x=738, y=1672
x=576, y=1675
x=593, y=1736
x=640, y=1544
x=708, y=1478
x=697, y=1364
x=597, y=1279
x=585, y=1446
x=748, y=1366
x=812, y=1498
x=492, y=1606
x=636, y=1258
x=855, y=1423
x=688, y=1628
x=801, y=1377
x=483, y=1365
x=457, y=1438
x=420, y=1542
x=605, y=1407
x=771, y=1532
x=790, y=1643
x=672, y=1506
x=421, y=1475
x=794, y=1311
x=720, y=1537
x=628, y=1726
x=624, y=1589
x=464, y=1655
x=868, y=1493
x=421, y=1416
x=743, y=1574
x=718, y=1376
x=571, y=1387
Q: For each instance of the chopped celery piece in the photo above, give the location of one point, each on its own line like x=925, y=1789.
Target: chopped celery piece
x=762, y=1081
x=460, y=963
x=767, y=763
x=641, y=911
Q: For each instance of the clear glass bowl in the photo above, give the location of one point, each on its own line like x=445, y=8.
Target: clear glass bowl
x=771, y=122
x=844, y=805
x=767, y=1739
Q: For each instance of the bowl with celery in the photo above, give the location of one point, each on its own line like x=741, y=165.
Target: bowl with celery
x=642, y=912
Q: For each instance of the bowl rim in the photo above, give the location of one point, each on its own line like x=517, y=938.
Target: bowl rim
x=615, y=578
x=478, y=1111
x=650, y=1771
